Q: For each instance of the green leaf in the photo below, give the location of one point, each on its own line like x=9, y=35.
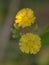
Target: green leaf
x=15, y=32
x=45, y=39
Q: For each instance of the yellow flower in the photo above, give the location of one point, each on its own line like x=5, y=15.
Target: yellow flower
x=30, y=43
x=25, y=17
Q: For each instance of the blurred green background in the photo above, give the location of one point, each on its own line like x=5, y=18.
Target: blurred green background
x=12, y=54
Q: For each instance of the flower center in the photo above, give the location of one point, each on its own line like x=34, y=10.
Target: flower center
x=25, y=18
x=30, y=43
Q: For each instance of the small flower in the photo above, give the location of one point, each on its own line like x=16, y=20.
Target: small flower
x=30, y=43
x=25, y=17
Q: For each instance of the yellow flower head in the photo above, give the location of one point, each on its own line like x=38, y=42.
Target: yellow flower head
x=25, y=17
x=30, y=43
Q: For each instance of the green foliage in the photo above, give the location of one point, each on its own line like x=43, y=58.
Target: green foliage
x=45, y=39
x=15, y=32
